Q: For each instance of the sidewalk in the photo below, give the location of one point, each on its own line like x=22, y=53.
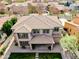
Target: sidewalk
x=6, y=43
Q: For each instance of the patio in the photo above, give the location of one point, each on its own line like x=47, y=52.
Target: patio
x=15, y=49
x=57, y=49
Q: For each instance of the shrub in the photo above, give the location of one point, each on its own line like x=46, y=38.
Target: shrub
x=8, y=25
x=56, y=58
x=1, y=52
x=14, y=20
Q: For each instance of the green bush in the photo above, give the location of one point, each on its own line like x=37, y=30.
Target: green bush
x=56, y=58
x=8, y=25
x=0, y=37
x=1, y=52
x=14, y=20
x=2, y=12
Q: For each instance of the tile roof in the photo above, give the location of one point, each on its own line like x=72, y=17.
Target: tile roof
x=42, y=39
x=22, y=29
x=76, y=20
x=38, y=22
x=3, y=20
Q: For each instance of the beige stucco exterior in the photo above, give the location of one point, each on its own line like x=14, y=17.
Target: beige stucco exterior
x=40, y=23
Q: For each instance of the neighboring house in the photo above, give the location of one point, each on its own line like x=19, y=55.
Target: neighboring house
x=40, y=7
x=3, y=20
x=43, y=1
x=37, y=32
x=57, y=9
x=17, y=8
x=74, y=6
x=19, y=1
x=72, y=27
x=2, y=8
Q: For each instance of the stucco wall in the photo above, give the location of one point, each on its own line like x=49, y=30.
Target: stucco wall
x=56, y=39
x=72, y=30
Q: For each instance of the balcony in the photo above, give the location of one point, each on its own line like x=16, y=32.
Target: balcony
x=56, y=34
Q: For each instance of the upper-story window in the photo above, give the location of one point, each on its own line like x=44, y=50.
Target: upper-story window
x=22, y=35
x=35, y=31
x=46, y=31
x=56, y=29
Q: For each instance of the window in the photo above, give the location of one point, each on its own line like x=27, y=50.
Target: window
x=35, y=31
x=46, y=31
x=24, y=43
x=22, y=35
x=70, y=30
x=56, y=29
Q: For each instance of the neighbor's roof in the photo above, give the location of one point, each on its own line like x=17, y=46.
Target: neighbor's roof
x=3, y=20
x=38, y=22
x=76, y=20
x=42, y=39
x=17, y=4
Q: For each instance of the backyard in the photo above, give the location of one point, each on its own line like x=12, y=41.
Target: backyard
x=32, y=56
x=22, y=56
x=50, y=56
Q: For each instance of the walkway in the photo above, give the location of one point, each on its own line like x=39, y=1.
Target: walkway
x=6, y=43
x=37, y=55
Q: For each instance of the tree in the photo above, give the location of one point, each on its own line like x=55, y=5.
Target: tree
x=77, y=42
x=9, y=1
x=14, y=20
x=7, y=26
x=69, y=43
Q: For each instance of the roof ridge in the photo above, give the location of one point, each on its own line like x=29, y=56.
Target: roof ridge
x=23, y=26
x=42, y=21
x=22, y=21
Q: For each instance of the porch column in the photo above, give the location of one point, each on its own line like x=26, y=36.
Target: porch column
x=41, y=31
x=50, y=32
x=52, y=47
x=31, y=46
x=16, y=38
x=29, y=35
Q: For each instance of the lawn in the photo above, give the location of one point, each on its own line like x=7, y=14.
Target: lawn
x=50, y=56
x=22, y=56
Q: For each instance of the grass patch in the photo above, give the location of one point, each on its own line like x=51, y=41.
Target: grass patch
x=50, y=56
x=22, y=56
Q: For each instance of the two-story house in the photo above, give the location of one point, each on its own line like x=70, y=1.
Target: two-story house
x=37, y=32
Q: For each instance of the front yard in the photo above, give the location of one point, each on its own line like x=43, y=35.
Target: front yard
x=22, y=56
x=50, y=56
